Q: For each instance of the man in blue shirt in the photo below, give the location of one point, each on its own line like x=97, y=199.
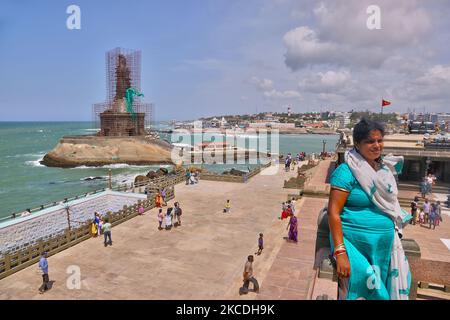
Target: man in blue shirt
x=43, y=265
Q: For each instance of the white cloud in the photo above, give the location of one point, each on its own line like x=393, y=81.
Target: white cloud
x=266, y=86
x=403, y=22
x=304, y=47
x=262, y=84
x=432, y=86
x=341, y=37
x=289, y=94
x=334, y=79
x=326, y=81
x=437, y=75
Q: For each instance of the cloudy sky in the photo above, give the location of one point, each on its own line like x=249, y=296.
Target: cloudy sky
x=214, y=57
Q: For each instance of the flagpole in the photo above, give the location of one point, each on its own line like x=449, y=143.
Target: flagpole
x=381, y=105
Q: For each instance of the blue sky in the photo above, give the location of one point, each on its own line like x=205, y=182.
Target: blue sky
x=214, y=57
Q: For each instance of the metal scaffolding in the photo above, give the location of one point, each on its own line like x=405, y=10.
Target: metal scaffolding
x=123, y=70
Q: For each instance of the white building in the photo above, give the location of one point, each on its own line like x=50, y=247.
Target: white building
x=274, y=125
x=342, y=120
x=443, y=117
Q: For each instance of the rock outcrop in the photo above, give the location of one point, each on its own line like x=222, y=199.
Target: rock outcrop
x=98, y=151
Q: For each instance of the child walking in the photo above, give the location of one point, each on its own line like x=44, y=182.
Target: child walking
x=260, y=244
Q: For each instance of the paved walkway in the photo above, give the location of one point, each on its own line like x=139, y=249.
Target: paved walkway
x=291, y=275
x=199, y=260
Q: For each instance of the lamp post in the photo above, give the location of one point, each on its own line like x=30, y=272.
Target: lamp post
x=68, y=215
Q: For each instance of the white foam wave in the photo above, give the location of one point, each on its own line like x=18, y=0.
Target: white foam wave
x=93, y=178
x=91, y=129
x=35, y=163
x=27, y=155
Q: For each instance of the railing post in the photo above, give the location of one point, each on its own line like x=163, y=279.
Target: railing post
x=7, y=262
x=41, y=246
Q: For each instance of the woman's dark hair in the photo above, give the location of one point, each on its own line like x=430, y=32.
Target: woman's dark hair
x=362, y=129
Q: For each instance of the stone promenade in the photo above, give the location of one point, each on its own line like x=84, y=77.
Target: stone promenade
x=202, y=259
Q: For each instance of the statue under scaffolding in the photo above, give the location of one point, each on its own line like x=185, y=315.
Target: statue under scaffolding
x=123, y=113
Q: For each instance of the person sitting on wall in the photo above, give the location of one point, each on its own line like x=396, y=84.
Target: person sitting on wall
x=363, y=212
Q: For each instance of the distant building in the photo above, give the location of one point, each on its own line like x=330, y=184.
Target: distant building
x=342, y=120
x=273, y=125
x=443, y=117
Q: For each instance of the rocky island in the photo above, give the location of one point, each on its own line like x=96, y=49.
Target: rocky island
x=96, y=151
x=123, y=137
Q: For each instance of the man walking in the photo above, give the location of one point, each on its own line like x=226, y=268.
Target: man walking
x=106, y=228
x=43, y=265
x=178, y=212
x=248, y=277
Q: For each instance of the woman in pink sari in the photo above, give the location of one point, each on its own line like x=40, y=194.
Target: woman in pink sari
x=292, y=225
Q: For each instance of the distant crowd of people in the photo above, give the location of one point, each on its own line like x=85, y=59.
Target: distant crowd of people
x=191, y=177
x=290, y=162
x=429, y=213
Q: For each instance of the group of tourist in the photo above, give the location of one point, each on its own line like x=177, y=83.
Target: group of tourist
x=426, y=185
x=172, y=217
x=101, y=225
x=300, y=156
x=289, y=163
x=160, y=198
x=191, y=176
x=430, y=213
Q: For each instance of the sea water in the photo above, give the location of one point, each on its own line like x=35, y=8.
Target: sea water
x=25, y=183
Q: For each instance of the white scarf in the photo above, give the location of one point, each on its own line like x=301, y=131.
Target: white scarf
x=381, y=187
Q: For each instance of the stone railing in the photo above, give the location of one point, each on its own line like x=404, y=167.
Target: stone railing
x=230, y=178
x=29, y=255
x=160, y=182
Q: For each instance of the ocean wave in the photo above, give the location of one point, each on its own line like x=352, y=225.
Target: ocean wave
x=123, y=178
x=27, y=155
x=91, y=129
x=92, y=178
x=35, y=163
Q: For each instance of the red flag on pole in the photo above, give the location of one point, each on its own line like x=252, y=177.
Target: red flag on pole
x=385, y=103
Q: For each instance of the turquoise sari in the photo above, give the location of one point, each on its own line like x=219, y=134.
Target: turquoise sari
x=368, y=236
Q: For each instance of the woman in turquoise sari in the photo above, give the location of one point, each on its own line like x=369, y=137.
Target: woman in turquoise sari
x=366, y=220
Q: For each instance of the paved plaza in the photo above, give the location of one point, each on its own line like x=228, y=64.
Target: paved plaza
x=199, y=260
x=204, y=258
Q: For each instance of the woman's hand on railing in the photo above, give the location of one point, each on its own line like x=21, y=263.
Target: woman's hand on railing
x=343, y=266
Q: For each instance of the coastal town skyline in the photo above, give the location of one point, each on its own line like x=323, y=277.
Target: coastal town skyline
x=204, y=59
